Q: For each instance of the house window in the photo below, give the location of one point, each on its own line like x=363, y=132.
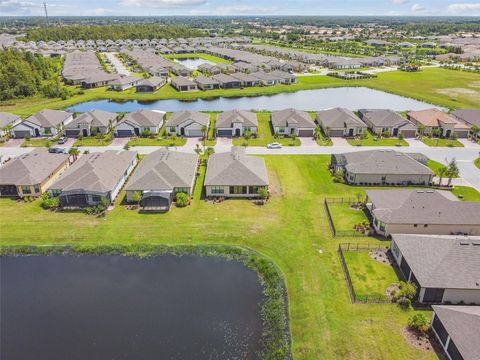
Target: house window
x=382, y=226
x=217, y=190
x=36, y=188
x=253, y=189
x=182, y=190
x=415, y=225
x=238, y=190
x=426, y=225
x=172, y=129
x=48, y=131
x=395, y=249
x=281, y=130
x=26, y=189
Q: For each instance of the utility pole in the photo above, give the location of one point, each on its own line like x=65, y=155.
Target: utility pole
x=46, y=12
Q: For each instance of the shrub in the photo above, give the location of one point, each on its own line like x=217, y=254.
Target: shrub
x=405, y=294
x=338, y=176
x=182, y=199
x=263, y=193
x=419, y=322
x=49, y=202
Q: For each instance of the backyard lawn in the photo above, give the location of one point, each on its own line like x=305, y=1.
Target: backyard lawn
x=265, y=134
x=466, y=193
x=291, y=229
x=441, y=142
x=369, y=276
x=345, y=217
x=370, y=140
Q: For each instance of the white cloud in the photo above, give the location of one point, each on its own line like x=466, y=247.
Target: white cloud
x=18, y=7
x=163, y=3
x=417, y=8
x=399, y=2
x=464, y=7
x=245, y=10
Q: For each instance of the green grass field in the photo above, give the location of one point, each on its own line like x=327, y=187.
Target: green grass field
x=435, y=166
x=466, y=193
x=369, y=276
x=448, y=88
x=371, y=141
x=291, y=229
x=41, y=142
x=93, y=141
x=477, y=163
x=345, y=217
x=441, y=142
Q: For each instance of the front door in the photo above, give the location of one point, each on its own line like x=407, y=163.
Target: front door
x=448, y=133
x=237, y=132
x=182, y=131
x=395, y=132
x=37, y=132
x=85, y=132
x=350, y=132
x=137, y=131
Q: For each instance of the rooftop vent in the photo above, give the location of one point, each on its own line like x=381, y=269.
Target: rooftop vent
x=463, y=242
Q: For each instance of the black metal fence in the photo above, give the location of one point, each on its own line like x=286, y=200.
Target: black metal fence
x=354, y=297
x=335, y=231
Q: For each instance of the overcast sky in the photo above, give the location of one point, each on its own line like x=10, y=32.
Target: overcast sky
x=242, y=7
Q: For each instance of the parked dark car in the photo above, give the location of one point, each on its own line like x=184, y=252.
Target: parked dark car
x=56, y=150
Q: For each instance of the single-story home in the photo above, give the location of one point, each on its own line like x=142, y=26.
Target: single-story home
x=340, y=122
x=227, y=81
x=267, y=79
x=285, y=77
x=181, y=83
x=234, y=174
x=209, y=69
x=387, y=121
x=292, y=121
x=382, y=167
x=98, y=121
x=236, y=122
x=456, y=328
x=246, y=80
x=433, y=119
x=98, y=80
x=206, y=83
x=7, y=122
x=44, y=123
x=444, y=268
x=126, y=82
x=94, y=178
x=470, y=117
x=151, y=84
x=30, y=174
x=422, y=212
x=139, y=122
x=160, y=176
x=187, y=123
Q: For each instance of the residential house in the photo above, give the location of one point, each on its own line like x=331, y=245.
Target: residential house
x=383, y=122
x=227, y=81
x=470, y=117
x=285, y=77
x=234, y=174
x=246, y=80
x=126, y=82
x=94, y=178
x=98, y=80
x=340, y=122
x=422, y=212
x=140, y=122
x=32, y=173
x=44, y=123
x=181, y=83
x=209, y=69
x=160, y=176
x=382, y=167
x=433, y=119
x=151, y=84
x=444, y=268
x=91, y=122
x=267, y=79
x=205, y=83
x=7, y=122
x=456, y=328
x=292, y=121
x=236, y=122
x=188, y=123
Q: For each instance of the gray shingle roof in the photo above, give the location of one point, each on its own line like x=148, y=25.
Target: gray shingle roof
x=382, y=162
x=144, y=118
x=205, y=80
x=385, y=118
x=423, y=207
x=126, y=80
x=164, y=170
x=228, y=118
x=31, y=168
x=446, y=262
x=153, y=81
x=236, y=168
x=180, y=117
x=49, y=118
x=7, y=119
x=339, y=118
x=292, y=117
x=470, y=116
x=463, y=325
x=96, y=172
x=95, y=118
x=182, y=81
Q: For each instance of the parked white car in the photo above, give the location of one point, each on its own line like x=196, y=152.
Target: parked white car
x=274, y=146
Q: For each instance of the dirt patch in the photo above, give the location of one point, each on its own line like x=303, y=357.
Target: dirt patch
x=475, y=84
x=426, y=342
x=275, y=186
x=391, y=290
x=458, y=92
x=382, y=255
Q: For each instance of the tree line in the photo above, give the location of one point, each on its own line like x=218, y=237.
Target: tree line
x=113, y=32
x=24, y=74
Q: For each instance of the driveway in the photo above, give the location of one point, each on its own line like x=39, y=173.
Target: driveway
x=117, y=64
x=120, y=141
x=67, y=145
x=469, y=144
x=416, y=143
x=338, y=141
x=224, y=141
x=14, y=143
x=308, y=141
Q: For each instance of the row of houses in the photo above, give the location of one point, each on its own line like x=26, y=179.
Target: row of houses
x=97, y=178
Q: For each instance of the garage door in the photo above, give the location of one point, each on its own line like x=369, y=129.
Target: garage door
x=305, y=133
x=462, y=134
x=336, y=133
x=225, y=132
x=72, y=133
x=124, y=133
x=195, y=133
x=20, y=134
x=409, y=133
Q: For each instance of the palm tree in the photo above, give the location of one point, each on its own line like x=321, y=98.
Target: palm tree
x=421, y=130
x=475, y=131
x=74, y=152
x=441, y=172
x=452, y=171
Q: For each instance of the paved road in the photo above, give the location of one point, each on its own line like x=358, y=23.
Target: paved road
x=117, y=64
x=464, y=155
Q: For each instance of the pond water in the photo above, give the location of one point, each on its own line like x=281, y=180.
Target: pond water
x=193, y=63
x=352, y=98
x=118, y=307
